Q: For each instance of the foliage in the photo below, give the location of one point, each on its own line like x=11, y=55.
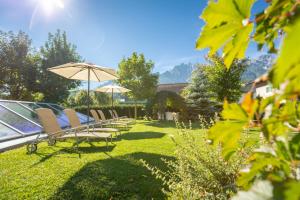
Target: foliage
x=56, y=51
x=277, y=159
x=23, y=71
x=199, y=171
x=167, y=101
x=18, y=66
x=135, y=73
x=227, y=24
x=80, y=98
x=224, y=83
x=123, y=110
x=197, y=95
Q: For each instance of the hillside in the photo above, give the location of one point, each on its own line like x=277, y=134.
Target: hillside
x=181, y=73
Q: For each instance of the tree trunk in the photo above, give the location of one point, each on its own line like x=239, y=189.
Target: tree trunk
x=135, y=109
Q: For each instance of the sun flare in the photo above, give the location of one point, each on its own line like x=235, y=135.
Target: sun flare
x=49, y=6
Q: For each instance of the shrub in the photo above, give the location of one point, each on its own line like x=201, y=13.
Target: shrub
x=199, y=171
x=167, y=101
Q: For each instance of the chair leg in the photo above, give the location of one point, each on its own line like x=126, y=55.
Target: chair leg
x=106, y=143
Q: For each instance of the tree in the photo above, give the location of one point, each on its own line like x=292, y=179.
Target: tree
x=224, y=82
x=197, y=95
x=56, y=51
x=80, y=98
x=135, y=73
x=18, y=66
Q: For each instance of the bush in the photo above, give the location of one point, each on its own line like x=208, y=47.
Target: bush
x=167, y=101
x=122, y=110
x=199, y=171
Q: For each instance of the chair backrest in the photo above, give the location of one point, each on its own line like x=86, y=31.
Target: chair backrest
x=116, y=114
x=101, y=115
x=95, y=115
x=111, y=114
x=48, y=120
x=73, y=118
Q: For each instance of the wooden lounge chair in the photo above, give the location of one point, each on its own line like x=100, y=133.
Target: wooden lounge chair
x=113, y=122
x=75, y=123
x=117, y=119
x=54, y=131
x=122, y=118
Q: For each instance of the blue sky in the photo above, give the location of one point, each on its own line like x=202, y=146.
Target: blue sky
x=105, y=31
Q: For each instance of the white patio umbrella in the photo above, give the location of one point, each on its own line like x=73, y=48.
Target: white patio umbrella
x=112, y=89
x=85, y=72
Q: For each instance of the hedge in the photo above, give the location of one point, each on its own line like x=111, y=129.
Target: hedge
x=122, y=110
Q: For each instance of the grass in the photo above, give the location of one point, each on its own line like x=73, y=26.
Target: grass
x=92, y=172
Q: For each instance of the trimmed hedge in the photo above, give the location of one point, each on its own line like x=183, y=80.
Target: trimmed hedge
x=122, y=110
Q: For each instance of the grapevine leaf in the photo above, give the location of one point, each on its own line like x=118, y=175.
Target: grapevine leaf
x=295, y=146
x=259, y=163
x=234, y=111
x=287, y=190
x=227, y=25
x=237, y=47
x=228, y=134
x=287, y=66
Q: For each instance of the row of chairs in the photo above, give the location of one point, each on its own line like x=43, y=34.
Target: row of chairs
x=102, y=128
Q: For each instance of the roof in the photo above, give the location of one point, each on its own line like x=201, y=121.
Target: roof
x=172, y=87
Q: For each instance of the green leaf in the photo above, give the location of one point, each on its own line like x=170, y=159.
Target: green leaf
x=295, y=146
x=287, y=190
x=237, y=47
x=261, y=160
x=234, y=111
x=287, y=66
x=226, y=26
x=227, y=133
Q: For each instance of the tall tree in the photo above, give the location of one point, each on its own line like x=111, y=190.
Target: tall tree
x=197, y=94
x=136, y=74
x=225, y=82
x=18, y=66
x=56, y=51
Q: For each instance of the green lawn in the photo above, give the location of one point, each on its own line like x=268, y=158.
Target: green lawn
x=60, y=172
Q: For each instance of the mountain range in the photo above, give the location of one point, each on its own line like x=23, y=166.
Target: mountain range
x=179, y=74
x=182, y=73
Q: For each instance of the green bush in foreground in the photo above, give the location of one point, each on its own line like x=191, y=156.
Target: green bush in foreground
x=199, y=171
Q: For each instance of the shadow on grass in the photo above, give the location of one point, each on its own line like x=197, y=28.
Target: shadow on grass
x=141, y=135
x=72, y=150
x=115, y=178
x=161, y=124
x=171, y=124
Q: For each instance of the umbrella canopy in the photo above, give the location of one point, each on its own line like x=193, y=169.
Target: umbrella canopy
x=85, y=72
x=81, y=71
x=112, y=89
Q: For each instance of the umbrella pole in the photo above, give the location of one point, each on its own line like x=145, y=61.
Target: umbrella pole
x=88, y=96
x=112, y=98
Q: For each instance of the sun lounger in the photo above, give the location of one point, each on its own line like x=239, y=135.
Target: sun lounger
x=75, y=123
x=122, y=118
x=55, y=132
x=113, y=122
